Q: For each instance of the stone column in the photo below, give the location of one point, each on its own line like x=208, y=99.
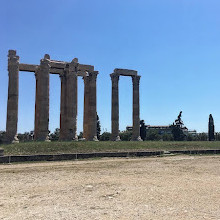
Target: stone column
x=136, y=109
x=42, y=100
x=63, y=106
x=86, y=107
x=12, y=106
x=92, y=136
x=115, y=108
x=71, y=77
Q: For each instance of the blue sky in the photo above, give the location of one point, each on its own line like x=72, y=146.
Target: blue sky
x=174, y=46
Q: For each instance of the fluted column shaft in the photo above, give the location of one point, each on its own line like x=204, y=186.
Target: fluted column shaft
x=68, y=103
x=115, y=108
x=92, y=136
x=86, y=107
x=63, y=107
x=42, y=100
x=12, y=105
x=72, y=101
x=136, y=109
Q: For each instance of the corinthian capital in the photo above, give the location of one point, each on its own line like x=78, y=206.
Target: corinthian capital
x=93, y=75
x=13, y=59
x=136, y=80
x=114, y=78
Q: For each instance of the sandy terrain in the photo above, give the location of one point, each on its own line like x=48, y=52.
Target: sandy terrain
x=180, y=187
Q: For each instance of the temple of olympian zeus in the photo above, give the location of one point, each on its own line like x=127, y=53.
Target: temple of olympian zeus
x=68, y=72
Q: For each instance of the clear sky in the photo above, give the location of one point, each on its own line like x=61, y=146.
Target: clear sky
x=174, y=46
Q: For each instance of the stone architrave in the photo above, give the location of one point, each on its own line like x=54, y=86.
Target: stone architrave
x=42, y=100
x=12, y=105
x=136, y=109
x=115, y=108
x=92, y=136
x=68, y=116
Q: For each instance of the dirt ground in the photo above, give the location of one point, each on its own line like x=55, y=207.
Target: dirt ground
x=178, y=187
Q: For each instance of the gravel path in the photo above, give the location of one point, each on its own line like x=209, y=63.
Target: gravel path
x=180, y=187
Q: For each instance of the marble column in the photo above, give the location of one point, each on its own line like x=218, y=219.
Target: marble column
x=63, y=106
x=86, y=107
x=42, y=100
x=136, y=109
x=115, y=108
x=12, y=106
x=92, y=136
x=71, y=105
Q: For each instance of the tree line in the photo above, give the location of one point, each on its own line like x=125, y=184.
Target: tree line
x=176, y=134
x=151, y=135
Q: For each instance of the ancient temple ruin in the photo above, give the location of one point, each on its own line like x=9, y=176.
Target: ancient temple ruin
x=68, y=72
x=115, y=103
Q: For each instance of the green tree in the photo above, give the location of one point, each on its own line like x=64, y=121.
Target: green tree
x=167, y=137
x=217, y=136
x=80, y=136
x=2, y=136
x=202, y=137
x=105, y=136
x=55, y=135
x=189, y=137
x=26, y=136
x=178, y=134
x=125, y=135
x=152, y=135
x=98, y=128
x=142, y=130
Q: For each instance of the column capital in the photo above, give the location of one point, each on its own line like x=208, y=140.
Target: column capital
x=13, y=59
x=136, y=80
x=93, y=75
x=36, y=72
x=73, y=65
x=72, y=69
x=114, y=78
x=45, y=63
x=61, y=75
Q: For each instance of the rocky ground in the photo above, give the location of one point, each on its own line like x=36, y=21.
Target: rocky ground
x=178, y=187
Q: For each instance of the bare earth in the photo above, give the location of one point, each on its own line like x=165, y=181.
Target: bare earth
x=180, y=187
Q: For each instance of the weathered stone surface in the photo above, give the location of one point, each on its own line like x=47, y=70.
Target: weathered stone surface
x=125, y=72
x=92, y=107
x=63, y=103
x=115, y=104
x=83, y=67
x=68, y=115
x=42, y=101
x=90, y=113
x=136, y=109
x=58, y=64
x=12, y=105
x=68, y=72
x=82, y=73
x=28, y=67
x=86, y=108
x=115, y=108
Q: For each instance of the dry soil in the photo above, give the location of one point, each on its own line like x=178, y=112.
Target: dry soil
x=179, y=187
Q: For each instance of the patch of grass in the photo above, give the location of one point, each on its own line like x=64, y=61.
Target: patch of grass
x=29, y=148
